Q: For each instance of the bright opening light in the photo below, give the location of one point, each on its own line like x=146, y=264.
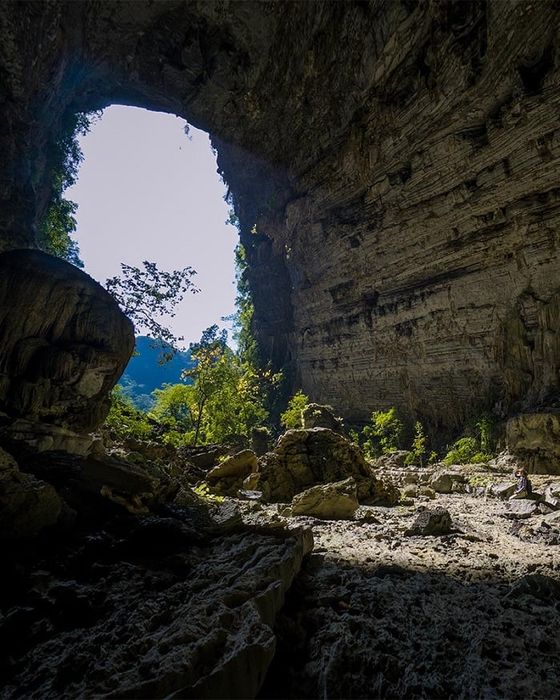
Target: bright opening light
x=148, y=192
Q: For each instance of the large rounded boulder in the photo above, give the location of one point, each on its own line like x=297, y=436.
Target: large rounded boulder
x=64, y=343
x=305, y=458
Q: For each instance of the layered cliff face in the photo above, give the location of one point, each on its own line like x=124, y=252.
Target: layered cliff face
x=395, y=168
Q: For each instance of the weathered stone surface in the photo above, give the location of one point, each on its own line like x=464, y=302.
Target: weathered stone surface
x=446, y=481
x=334, y=501
x=367, y=600
x=260, y=440
x=63, y=345
x=27, y=505
x=304, y=458
x=502, y=490
x=534, y=440
x=315, y=415
x=552, y=495
x=435, y=521
x=400, y=226
x=171, y=619
x=521, y=508
x=240, y=464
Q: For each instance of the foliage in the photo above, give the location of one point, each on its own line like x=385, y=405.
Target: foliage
x=145, y=372
x=478, y=448
x=267, y=383
x=145, y=294
x=291, y=417
x=466, y=451
x=244, y=315
x=418, y=449
x=203, y=491
x=65, y=157
x=125, y=421
x=173, y=407
x=383, y=434
x=485, y=425
x=228, y=395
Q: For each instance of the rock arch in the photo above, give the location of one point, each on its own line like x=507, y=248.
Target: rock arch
x=398, y=162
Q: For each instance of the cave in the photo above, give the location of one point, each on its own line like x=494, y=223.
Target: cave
x=394, y=167
x=403, y=196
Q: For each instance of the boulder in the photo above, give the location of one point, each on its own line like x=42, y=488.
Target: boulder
x=521, y=508
x=27, y=504
x=63, y=346
x=202, y=456
x=304, y=458
x=409, y=491
x=534, y=440
x=240, y=465
x=260, y=440
x=427, y=492
x=503, y=490
x=316, y=415
x=335, y=501
x=393, y=460
x=436, y=521
x=251, y=483
x=127, y=484
x=552, y=495
x=447, y=481
x=552, y=520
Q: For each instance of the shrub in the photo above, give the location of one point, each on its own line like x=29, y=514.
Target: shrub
x=466, y=451
x=418, y=449
x=125, y=421
x=383, y=435
x=291, y=418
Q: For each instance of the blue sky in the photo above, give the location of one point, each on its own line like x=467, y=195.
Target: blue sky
x=147, y=192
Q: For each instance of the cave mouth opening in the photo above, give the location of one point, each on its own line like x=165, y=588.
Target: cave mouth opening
x=148, y=189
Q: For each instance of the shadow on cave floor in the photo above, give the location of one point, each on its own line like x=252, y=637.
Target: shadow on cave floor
x=391, y=632
x=372, y=614
x=375, y=614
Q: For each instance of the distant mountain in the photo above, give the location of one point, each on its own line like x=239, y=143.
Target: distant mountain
x=145, y=372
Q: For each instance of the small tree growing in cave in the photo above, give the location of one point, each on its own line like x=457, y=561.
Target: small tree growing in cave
x=149, y=293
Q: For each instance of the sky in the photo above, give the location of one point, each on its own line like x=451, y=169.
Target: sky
x=146, y=191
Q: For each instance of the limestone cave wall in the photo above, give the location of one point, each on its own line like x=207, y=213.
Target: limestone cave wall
x=394, y=165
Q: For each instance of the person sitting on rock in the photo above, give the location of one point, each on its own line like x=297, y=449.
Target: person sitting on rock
x=524, y=487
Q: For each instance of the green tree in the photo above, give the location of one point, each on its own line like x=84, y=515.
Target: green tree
x=291, y=417
x=124, y=421
x=174, y=405
x=64, y=159
x=227, y=392
x=211, y=371
x=418, y=449
x=383, y=434
x=148, y=293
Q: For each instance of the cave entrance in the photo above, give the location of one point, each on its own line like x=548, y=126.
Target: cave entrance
x=148, y=189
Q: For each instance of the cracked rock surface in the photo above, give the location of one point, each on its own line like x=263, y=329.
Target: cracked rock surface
x=375, y=613
x=155, y=610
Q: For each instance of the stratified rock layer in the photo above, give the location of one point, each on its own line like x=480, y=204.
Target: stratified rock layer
x=394, y=167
